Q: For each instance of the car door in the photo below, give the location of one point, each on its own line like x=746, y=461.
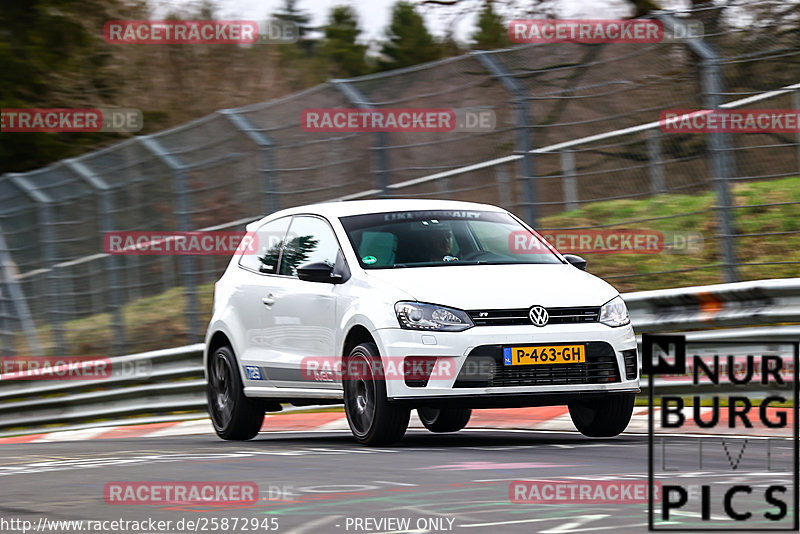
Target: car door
x=259, y=281
x=305, y=312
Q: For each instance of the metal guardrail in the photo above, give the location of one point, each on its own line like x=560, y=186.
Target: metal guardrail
x=723, y=305
x=147, y=387
x=718, y=306
x=169, y=384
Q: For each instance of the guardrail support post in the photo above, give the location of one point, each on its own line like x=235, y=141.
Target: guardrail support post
x=722, y=164
x=524, y=137
x=381, y=147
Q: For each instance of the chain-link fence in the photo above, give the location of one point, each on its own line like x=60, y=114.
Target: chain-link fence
x=576, y=145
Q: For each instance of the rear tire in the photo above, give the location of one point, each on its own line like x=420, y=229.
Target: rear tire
x=234, y=416
x=605, y=417
x=373, y=420
x=444, y=419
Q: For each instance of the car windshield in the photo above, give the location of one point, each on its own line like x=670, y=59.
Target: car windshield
x=433, y=238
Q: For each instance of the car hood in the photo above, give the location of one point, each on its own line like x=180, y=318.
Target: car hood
x=499, y=286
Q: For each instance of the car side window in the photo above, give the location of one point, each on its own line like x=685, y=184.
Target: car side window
x=269, y=240
x=310, y=239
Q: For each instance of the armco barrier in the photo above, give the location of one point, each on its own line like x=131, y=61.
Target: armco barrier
x=174, y=386
x=723, y=305
x=170, y=385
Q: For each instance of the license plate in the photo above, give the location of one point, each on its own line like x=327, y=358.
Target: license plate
x=544, y=354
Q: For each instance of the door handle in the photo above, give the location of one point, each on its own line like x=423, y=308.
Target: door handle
x=268, y=301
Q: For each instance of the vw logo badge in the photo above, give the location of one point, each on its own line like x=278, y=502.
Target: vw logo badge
x=538, y=316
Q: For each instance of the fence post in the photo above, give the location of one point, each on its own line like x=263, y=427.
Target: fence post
x=503, y=185
x=524, y=137
x=106, y=209
x=722, y=170
x=443, y=186
x=96, y=294
x=183, y=211
x=54, y=294
x=6, y=337
x=167, y=272
x=796, y=106
x=569, y=183
x=47, y=243
x=381, y=145
x=655, y=162
x=133, y=275
x=267, y=165
x=720, y=147
x=16, y=298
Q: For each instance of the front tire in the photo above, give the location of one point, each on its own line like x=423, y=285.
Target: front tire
x=444, y=419
x=234, y=416
x=605, y=417
x=373, y=420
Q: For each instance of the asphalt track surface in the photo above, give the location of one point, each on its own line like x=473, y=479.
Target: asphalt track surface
x=324, y=482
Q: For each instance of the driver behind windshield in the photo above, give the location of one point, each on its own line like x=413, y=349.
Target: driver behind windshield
x=440, y=244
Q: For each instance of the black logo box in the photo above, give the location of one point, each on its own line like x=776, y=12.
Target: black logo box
x=676, y=346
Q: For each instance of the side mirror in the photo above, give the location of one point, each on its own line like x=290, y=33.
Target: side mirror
x=576, y=261
x=318, y=271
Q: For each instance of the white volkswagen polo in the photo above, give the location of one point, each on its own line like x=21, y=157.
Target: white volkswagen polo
x=392, y=305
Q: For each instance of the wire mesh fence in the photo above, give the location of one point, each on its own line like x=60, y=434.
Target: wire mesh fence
x=575, y=146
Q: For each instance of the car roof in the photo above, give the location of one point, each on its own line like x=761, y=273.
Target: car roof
x=360, y=207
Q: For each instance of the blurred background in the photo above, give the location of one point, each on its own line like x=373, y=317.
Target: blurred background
x=575, y=147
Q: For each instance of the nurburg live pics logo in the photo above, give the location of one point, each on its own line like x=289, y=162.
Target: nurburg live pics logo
x=741, y=479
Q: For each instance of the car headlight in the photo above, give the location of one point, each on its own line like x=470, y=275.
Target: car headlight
x=615, y=313
x=418, y=316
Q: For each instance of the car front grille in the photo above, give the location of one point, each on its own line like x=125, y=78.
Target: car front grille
x=484, y=368
x=519, y=316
